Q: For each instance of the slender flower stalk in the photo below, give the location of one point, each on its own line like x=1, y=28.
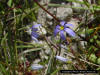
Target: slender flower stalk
x=64, y=27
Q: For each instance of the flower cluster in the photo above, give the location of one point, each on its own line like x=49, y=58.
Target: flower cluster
x=34, y=34
x=64, y=27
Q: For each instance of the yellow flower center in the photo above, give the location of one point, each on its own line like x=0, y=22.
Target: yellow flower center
x=61, y=27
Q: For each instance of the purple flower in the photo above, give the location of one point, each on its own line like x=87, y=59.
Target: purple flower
x=61, y=58
x=36, y=66
x=34, y=34
x=64, y=28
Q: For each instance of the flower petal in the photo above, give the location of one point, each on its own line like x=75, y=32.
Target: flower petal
x=34, y=34
x=36, y=66
x=34, y=29
x=70, y=32
x=35, y=39
x=62, y=23
x=61, y=58
x=62, y=35
x=56, y=30
x=68, y=25
x=58, y=27
x=36, y=26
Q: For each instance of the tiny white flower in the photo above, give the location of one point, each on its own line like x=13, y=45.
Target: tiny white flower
x=41, y=30
x=36, y=66
x=64, y=47
x=61, y=58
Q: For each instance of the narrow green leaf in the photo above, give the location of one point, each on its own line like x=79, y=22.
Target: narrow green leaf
x=90, y=31
x=25, y=46
x=50, y=65
x=54, y=73
x=76, y=1
x=3, y=70
x=3, y=39
x=30, y=50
